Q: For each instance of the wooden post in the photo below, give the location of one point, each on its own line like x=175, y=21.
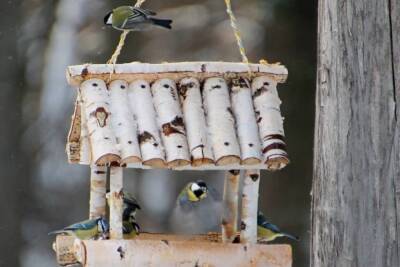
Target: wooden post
x=246, y=124
x=116, y=202
x=170, y=119
x=195, y=122
x=102, y=139
x=230, y=199
x=270, y=122
x=248, y=225
x=220, y=122
x=123, y=123
x=149, y=138
x=98, y=182
x=356, y=185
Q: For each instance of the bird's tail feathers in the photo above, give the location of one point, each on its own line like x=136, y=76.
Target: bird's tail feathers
x=57, y=232
x=166, y=23
x=296, y=238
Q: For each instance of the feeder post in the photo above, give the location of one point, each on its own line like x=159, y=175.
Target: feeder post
x=230, y=201
x=98, y=182
x=248, y=224
x=116, y=202
x=356, y=183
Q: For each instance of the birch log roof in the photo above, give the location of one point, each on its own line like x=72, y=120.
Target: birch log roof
x=189, y=115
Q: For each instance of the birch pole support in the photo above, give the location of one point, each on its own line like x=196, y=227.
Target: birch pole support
x=170, y=120
x=356, y=183
x=220, y=121
x=102, y=139
x=242, y=105
x=231, y=205
x=123, y=123
x=248, y=224
x=98, y=183
x=195, y=122
x=116, y=202
x=141, y=103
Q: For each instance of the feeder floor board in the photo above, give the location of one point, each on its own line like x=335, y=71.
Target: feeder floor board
x=170, y=250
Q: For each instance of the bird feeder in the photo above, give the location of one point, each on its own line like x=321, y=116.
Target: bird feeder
x=178, y=116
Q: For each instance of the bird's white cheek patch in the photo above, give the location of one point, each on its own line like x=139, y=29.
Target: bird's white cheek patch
x=109, y=21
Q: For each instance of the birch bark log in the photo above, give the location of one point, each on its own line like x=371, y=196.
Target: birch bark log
x=355, y=204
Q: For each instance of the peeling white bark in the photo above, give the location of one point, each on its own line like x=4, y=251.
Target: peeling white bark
x=230, y=200
x=84, y=155
x=221, y=124
x=141, y=103
x=102, y=139
x=170, y=121
x=116, y=202
x=195, y=122
x=98, y=182
x=270, y=122
x=242, y=106
x=248, y=223
x=123, y=123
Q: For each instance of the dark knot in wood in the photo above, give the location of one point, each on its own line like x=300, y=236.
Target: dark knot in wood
x=101, y=115
x=254, y=177
x=144, y=137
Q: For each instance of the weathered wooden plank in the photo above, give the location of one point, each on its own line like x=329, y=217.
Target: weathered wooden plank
x=354, y=221
x=395, y=27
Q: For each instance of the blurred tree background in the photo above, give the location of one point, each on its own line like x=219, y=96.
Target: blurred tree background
x=40, y=191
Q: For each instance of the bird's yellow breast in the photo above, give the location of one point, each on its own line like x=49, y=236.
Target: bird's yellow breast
x=265, y=234
x=86, y=234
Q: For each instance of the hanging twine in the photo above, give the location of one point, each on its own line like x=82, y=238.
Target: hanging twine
x=237, y=34
x=121, y=43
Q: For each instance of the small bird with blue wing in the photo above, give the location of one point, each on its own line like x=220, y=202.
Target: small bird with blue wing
x=267, y=231
x=97, y=228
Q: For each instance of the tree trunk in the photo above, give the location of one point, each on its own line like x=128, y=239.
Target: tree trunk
x=355, y=210
x=14, y=180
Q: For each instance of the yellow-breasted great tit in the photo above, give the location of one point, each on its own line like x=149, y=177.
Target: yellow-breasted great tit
x=267, y=231
x=197, y=210
x=89, y=229
x=193, y=192
x=134, y=19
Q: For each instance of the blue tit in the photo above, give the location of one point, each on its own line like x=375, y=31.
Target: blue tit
x=134, y=19
x=267, y=231
x=130, y=227
x=197, y=210
x=89, y=229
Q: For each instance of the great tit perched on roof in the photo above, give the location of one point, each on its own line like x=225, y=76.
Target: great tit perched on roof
x=134, y=19
x=267, y=231
x=88, y=229
x=197, y=210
